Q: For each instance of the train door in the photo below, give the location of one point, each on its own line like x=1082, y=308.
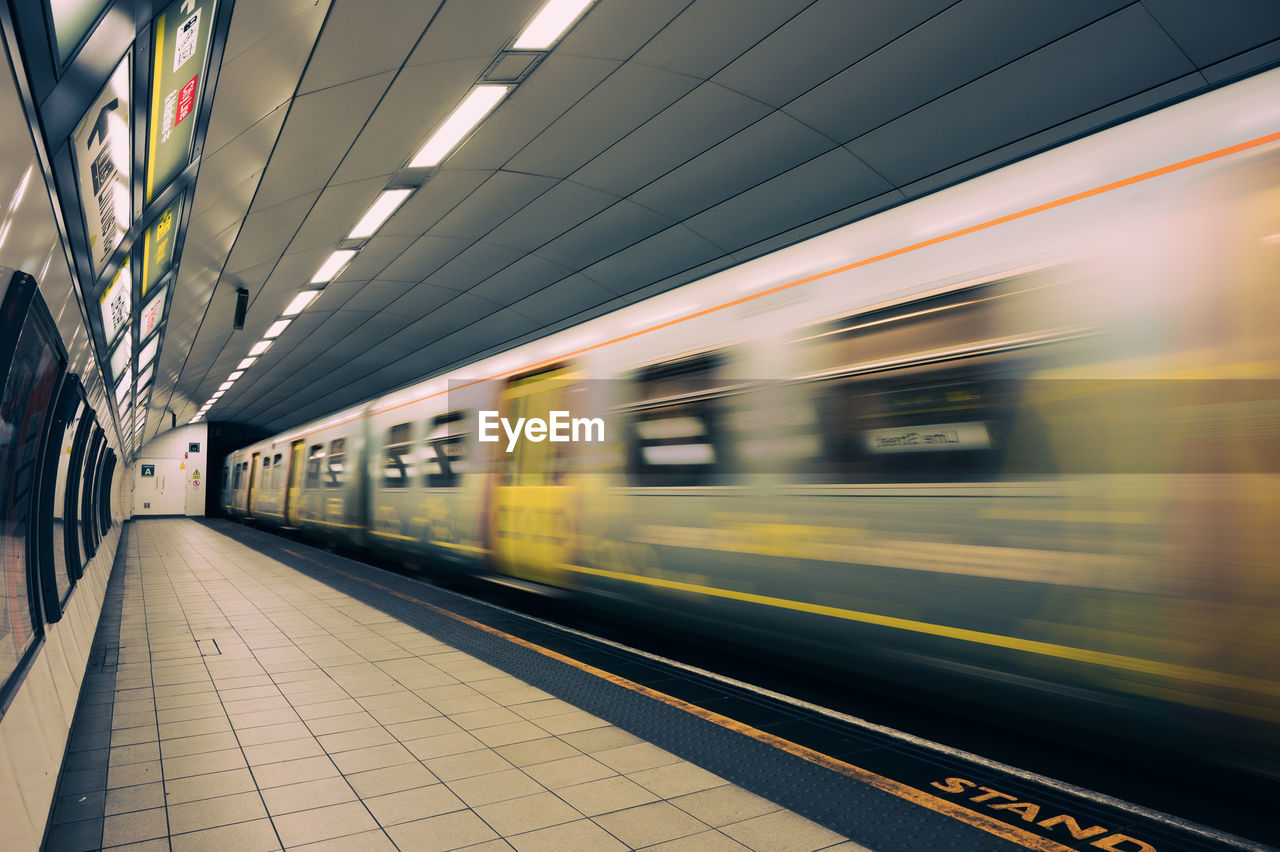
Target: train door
x=532, y=520
x=253, y=481
x=294, y=483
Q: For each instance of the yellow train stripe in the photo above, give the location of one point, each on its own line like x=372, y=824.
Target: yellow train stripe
x=1048, y=649
x=903, y=791
x=469, y=548
x=396, y=536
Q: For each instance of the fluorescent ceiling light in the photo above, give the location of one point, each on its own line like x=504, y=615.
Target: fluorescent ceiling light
x=216, y=395
x=277, y=329
x=388, y=202
x=260, y=347
x=332, y=266
x=237, y=374
x=246, y=363
x=296, y=307
x=549, y=24
x=225, y=385
x=460, y=122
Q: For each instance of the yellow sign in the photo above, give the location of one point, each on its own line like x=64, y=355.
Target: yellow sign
x=182, y=466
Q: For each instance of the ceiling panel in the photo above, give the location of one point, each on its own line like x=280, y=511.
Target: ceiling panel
x=819, y=42
x=551, y=214
x=701, y=119
x=365, y=39
x=659, y=141
x=559, y=82
x=969, y=39
x=412, y=107
x=320, y=128
x=810, y=191
x=461, y=30
x=769, y=147
x=665, y=253
x=617, y=106
x=493, y=201
x=709, y=35
x=611, y=230
x=1233, y=27
x=1119, y=56
x=264, y=74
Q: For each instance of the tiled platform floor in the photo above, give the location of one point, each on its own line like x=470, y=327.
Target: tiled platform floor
x=236, y=704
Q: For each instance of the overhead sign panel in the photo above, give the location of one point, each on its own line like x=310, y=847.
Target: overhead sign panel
x=101, y=143
x=120, y=357
x=157, y=246
x=115, y=304
x=177, y=79
x=72, y=20
x=152, y=314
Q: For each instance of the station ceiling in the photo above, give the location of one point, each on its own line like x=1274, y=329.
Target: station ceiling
x=657, y=142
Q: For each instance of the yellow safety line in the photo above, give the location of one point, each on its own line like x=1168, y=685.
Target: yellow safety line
x=888, y=785
x=1065, y=652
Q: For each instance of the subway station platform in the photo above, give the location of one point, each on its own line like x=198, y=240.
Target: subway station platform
x=233, y=702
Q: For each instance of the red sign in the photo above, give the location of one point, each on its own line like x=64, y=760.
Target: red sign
x=186, y=100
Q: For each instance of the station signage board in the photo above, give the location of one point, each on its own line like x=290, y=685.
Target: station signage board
x=120, y=357
x=123, y=387
x=103, y=163
x=177, y=79
x=115, y=304
x=157, y=246
x=152, y=314
x=72, y=20
x=148, y=353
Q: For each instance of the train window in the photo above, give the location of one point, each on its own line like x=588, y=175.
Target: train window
x=276, y=473
x=266, y=472
x=235, y=478
x=676, y=435
x=226, y=477
x=337, y=462
x=315, y=458
x=929, y=391
x=444, y=450
x=397, y=458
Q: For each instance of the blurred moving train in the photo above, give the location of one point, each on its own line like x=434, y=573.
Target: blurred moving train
x=1024, y=431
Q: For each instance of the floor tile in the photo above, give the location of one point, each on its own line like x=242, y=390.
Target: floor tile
x=323, y=823
x=306, y=795
x=723, y=805
x=457, y=830
x=516, y=816
x=138, y=798
x=210, y=813
x=606, y=795
x=580, y=834
x=495, y=787
x=256, y=836
x=391, y=779
x=782, y=831
x=649, y=824
x=413, y=804
x=134, y=826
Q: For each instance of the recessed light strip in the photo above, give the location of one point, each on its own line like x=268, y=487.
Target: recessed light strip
x=550, y=23
x=474, y=107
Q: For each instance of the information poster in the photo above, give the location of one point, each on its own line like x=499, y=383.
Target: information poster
x=152, y=314
x=148, y=353
x=157, y=244
x=101, y=143
x=120, y=357
x=181, y=47
x=115, y=304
